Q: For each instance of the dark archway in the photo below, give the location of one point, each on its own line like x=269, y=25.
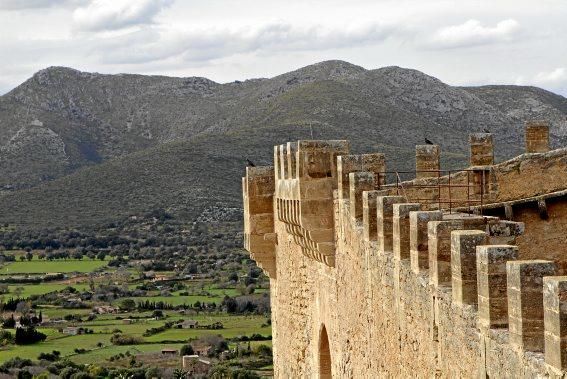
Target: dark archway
x=324, y=355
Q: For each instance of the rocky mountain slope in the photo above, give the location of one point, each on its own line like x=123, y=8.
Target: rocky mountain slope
x=107, y=146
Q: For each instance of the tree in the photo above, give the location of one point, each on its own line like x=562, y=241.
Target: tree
x=244, y=374
x=9, y=323
x=179, y=374
x=233, y=277
x=157, y=314
x=264, y=350
x=29, y=256
x=127, y=305
x=24, y=374
x=229, y=304
x=152, y=372
x=6, y=338
x=250, y=289
x=186, y=350
x=51, y=357
x=23, y=307
x=27, y=336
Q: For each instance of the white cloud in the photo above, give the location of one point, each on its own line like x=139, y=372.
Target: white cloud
x=32, y=4
x=227, y=39
x=198, y=45
x=102, y=15
x=554, y=80
x=555, y=77
x=474, y=33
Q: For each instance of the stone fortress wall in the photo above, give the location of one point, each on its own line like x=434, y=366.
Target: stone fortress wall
x=368, y=282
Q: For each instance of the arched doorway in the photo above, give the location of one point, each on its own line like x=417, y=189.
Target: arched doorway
x=324, y=355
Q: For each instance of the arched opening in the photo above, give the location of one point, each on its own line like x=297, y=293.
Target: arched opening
x=324, y=355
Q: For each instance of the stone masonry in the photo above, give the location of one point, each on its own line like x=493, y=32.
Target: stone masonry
x=455, y=275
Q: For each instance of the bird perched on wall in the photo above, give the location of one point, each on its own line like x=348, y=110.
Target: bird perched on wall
x=428, y=142
x=486, y=130
x=250, y=163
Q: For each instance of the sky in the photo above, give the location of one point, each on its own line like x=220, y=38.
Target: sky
x=460, y=42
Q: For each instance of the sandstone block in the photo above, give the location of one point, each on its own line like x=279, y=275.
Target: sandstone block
x=525, y=302
x=369, y=215
x=401, y=228
x=384, y=220
x=359, y=182
x=463, y=264
x=555, y=321
x=419, y=250
x=492, y=284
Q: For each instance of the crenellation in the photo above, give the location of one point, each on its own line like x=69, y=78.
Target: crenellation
x=401, y=229
x=291, y=151
x=439, y=245
x=525, y=302
x=283, y=162
x=464, y=266
x=359, y=182
x=453, y=300
x=369, y=215
x=419, y=238
x=385, y=221
x=347, y=164
x=427, y=161
x=492, y=284
x=555, y=321
x=537, y=136
x=258, y=187
x=481, y=149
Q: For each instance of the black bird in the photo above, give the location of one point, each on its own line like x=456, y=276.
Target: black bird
x=250, y=163
x=428, y=142
x=486, y=130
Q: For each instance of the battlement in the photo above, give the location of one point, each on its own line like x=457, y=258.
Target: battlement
x=258, y=193
x=453, y=273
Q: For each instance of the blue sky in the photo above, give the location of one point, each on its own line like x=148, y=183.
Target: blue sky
x=460, y=42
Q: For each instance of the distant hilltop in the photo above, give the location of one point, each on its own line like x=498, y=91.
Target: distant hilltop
x=80, y=148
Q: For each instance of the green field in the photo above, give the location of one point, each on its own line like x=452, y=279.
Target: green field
x=28, y=290
x=42, y=267
x=103, y=353
x=233, y=326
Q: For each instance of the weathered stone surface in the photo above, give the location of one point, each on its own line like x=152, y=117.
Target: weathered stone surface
x=366, y=313
x=427, y=161
x=401, y=228
x=463, y=264
x=419, y=238
x=482, y=149
x=525, y=302
x=492, y=286
x=537, y=136
x=369, y=215
x=555, y=321
x=384, y=220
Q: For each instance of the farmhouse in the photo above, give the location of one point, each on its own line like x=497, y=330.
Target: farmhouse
x=169, y=351
x=189, y=324
x=71, y=330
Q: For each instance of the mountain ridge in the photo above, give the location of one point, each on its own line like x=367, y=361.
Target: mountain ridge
x=107, y=123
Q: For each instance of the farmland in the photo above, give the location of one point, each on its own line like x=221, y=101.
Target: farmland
x=37, y=266
x=119, y=302
x=234, y=326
